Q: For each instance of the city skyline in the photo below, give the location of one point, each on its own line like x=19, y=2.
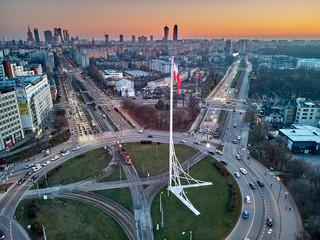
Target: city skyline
x=204, y=19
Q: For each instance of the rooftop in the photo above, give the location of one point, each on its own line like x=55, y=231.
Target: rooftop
x=302, y=133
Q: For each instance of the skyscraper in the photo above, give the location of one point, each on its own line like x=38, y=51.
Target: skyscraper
x=30, y=36
x=66, y=36
x=121, y=38
x=133, y=39
x=36, y=35
x=175, y=33
x=166, y=34
x=48, y=36
x=228, y=49
x=106, y=38
x=151, y=38
x=243, y=46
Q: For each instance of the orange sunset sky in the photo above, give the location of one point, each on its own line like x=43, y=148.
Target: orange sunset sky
x=281, y=19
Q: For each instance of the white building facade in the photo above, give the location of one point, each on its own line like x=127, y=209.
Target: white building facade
x=35, y=102
x=11, y=130
x=308, y=112
x=160, y=66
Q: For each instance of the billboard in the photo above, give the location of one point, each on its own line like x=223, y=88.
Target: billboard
x=22, y=102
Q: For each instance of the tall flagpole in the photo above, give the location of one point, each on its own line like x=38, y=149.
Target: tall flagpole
x=171, y=125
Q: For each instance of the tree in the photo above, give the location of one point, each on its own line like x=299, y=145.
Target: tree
x=313, y=226
x=36, y=228
x=160, y=105
x=297, y=167
x=249, y=116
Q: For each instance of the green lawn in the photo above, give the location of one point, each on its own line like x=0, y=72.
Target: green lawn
x=114, y=176
x=214, y=222
x=154, y=158
x=79, y=168
x=66, y=219
x=121, y=196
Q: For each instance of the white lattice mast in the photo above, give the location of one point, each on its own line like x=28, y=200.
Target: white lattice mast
x=176, y=172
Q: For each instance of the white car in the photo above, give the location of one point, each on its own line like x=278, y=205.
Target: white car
x=237, y=174
x=239, y=137
x=55, y=158
x=219, y=152
x=46, y=163
x=200, y=130
x=65, y=153
x=76, y=148
x=247, y=199
x=182, y=141
x=243, y=171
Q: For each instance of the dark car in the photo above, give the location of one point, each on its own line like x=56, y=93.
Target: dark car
x=252, y=186
x=269, y=221
x=224, y=162
x=34, y=177
x=150, y=136
x=211, y=152
x=28, y=174
x=21, y=181
x=260, y=183
x=1, y=235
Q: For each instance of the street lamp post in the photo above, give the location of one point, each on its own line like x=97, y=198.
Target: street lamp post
x=148, y=178
x=279, y=179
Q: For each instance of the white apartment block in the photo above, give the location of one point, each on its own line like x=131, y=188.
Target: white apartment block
x=160, y=65
x=11, y=130
x=307, y=112
x=35, y=102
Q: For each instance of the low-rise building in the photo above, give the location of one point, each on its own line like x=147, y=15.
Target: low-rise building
x=302, y=139
x=125, y=87
x=114, y=74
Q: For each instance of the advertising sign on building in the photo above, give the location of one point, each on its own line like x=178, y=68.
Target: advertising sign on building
x=22, y=102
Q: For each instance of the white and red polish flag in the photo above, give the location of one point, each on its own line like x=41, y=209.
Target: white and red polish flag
x=176, y=77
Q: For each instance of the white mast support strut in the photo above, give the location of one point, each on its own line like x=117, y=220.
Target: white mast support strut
x=175, y=169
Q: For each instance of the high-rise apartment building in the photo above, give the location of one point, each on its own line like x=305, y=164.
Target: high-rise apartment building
x=121, y=38
x=11, y=130
x=48, y=36
x=175, y=33
x=36, y=35
x=166, y=34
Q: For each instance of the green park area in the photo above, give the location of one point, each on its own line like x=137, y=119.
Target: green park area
x=84, y=166
x=154, y=158
x=65, y=219
x=214, y=222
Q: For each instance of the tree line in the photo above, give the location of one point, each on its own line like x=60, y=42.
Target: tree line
x=286, y=83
